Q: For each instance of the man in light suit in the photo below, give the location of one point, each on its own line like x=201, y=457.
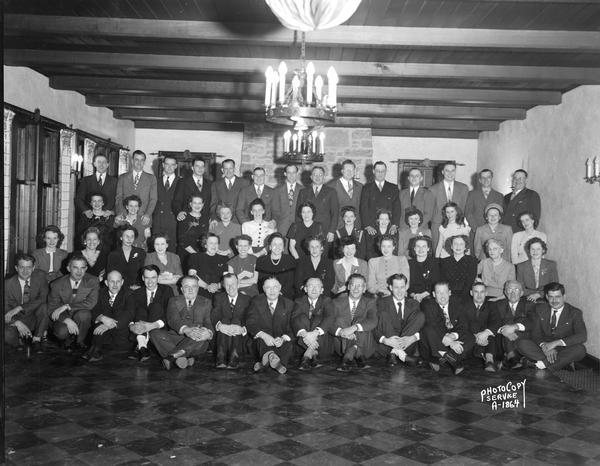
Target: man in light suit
x=192, y=185
x=379, y=194
x=71, y=301
x=399, y=321
x=348, y=191
x=558, y=332
x=190, y=327
x=480, y=198
x=285, y=200
x=163, y=220
x=416, y=196
x=513, y=315
x=140, y=183
x=26, y=311
x=324, y=199
x=269, y=324
x=353, y=319
x=99, y=182
x=522, y=199
x=226, y=191
x=257, y=190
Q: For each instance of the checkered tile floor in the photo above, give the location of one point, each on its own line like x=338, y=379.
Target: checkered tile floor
x=61, y=410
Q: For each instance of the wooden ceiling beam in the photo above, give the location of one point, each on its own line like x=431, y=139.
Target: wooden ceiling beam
x=107, y=85
x=276, y=35
x=189, y=125
x=425, y=133
x=236, y=65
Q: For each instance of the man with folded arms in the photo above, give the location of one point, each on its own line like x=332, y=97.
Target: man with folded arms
x=188, y=318
x=228, y=317
x=269, y=323
x=400, y=320
x=513, y=316
x=484, y=322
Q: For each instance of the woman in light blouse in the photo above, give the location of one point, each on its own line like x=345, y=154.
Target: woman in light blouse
x=347, y=265
x=257, y=228
x=226, y=229
x=529, y=223
x=384, y=226
x=494, y=270
x=537, y=272
x=493, y=229
x=380, y=268
x=131, y=216
x=413, y=219
x=453, y=224
x=167, y=262
x=50, y=258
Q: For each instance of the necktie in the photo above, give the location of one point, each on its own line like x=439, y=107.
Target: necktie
x=136, y=180
x=553, y=321
x=26, y=292
x=399, y=309
x=350, y=188
x=151, y=299
x=317, y=189
x=272, y=307
x=380, y=185
x=311, y=309
x=449, y=193
x=258, y=191
x=513, y=309
x=353, y=309
x=167, y=184
x=111, y=299
x=199, y=184
x=447, y=319
x=75, y=289
x=291, y=196
x=228, y=184
x=189, y=304
x=100, y=180
x=232, y=305
x=412, y=196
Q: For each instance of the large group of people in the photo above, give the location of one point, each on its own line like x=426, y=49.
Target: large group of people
x=297, y=274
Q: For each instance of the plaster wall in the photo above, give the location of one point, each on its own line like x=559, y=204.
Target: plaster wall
x=552, y=144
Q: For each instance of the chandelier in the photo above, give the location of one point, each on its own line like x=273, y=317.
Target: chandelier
x=304, y=146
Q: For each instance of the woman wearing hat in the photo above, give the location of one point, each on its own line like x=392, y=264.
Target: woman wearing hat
x=493, y=229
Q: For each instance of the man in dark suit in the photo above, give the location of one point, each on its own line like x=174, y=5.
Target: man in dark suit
x=285, y=200
x=447, y=190
x=399, y=322
x=480, y=198
x=376, y=195
x=72, y=298
x=348, y=190
x=445, y=337
x=310, y=313
x=229, y=319
x=558, y=332
x=99, y=182
x=513, y=321
x=192, y=185
x=269, y=324
x=163, y=220
x=353, y=320
x=140, y=183
x=484, y=322
x=190, y=328
x=257, y=190
x=150, y=304
x=226, y=191
x=111, y=315
x=25, y=307
x=417, y=196
x=522, y=199
x=324, y=199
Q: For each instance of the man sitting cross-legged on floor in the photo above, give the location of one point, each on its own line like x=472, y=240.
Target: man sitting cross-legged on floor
x=484, y=322
x=354, y=318
x=229, y=318
x=399, y=321
x=111, y=316
x=310, y=313
x=190, y=328
x=269, y=323
x=150, y=303
x=445, y=337
x=513, y=316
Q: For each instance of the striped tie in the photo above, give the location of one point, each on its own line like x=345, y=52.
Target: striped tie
x=26, y=293
x=136, y=180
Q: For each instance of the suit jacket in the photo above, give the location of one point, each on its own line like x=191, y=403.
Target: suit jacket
x=526, y=200
x=371, y=200
x=129, y=270
x=187, y=187
x=365, y=314
x=438, y=190
x=328, y=210
x=38, y=295
x=434, y=317
x=391, y=323
x=259, y=318
x=163, y=220
x=223, y=196
x=525, y=274
x=506, y=316
x=487, y=317
x=340, y=273
x=122, y=309
x=570, y=327
x=423, y=201
x=42, y=262
x=222, y=312
x=476, y=204
x=246, y=196
x=305, y=270
x=320, y=315
x=84, y=300
x=146, y=190
x=89, y=185
x=282, y=212
x=157, y=310
x=345, y=200
x=198, y=315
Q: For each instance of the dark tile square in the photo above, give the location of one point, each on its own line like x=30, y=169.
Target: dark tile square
x=150, y=446
x=555, y=404
x=350, y=430
x=44, y=420
x=476, y=434
x=540, y=437
x=220, y=446
x=81, y=444
x=289, y=428
x=347, y=413
x=587, y=435
x=412, y=432
x=176, y=407
x=233, y=409
x=559, y=457
x=356, y=452
x=227, y=426
x=573, y=419
x=290, y=410
x=23, y=440
x=490, y=454
x=404, y=414
x=460, y=415
x=103, y=422
x=165, y=424
x=423, y=453
x=119, y=406
x=287, y=449
x=517, y=417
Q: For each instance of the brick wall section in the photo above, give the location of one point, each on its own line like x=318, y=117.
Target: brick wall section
x=8, y=118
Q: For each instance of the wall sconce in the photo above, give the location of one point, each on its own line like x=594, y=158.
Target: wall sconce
x=592, y=171
x=76, y=164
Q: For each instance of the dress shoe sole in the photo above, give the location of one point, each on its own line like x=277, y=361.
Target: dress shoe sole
x=181, y=362
x=221, y=365
x=96, y=358
x=166, y=364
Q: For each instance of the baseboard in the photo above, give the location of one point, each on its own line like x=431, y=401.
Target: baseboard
x=591, y=362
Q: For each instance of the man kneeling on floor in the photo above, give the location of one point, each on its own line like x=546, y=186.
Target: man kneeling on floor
x=188, y=318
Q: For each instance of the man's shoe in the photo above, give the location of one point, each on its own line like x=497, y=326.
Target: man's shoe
x=96, y=356
x=77, y=346
x=411, y=361
x=134, y=355
x=181, y=362
x=435, y=367
x=87, y=355
x=314, y=362
x=518, y=364
x=489, y=367
x=166, y=362
x=36, y=347
x=346, y=366
x=234, y=364
x=393, y=360
x=305, y=364
x=190, y=362
x=361, y=362
x=258, y=366
x=458, y=368
x=280, y=368
x=144, y=354
x=221, y=365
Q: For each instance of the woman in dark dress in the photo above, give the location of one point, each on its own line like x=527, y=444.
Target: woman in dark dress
x=424, y=269
x=349, y=229
x=305, y=228
x=99, y=218
x=127, y=259
x=208, y=267
x=384, y=225
x=459, y=269
x=191, y=230
x=94, y=252
x=314, y=265
x=277, y=264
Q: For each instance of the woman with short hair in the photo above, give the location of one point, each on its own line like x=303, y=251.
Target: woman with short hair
x=529, y=222
x=277, y=264
x=381, y=268
x=413, y=220
x=537, y=271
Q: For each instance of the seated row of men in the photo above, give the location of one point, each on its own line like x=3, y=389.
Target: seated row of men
x=441, y=331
